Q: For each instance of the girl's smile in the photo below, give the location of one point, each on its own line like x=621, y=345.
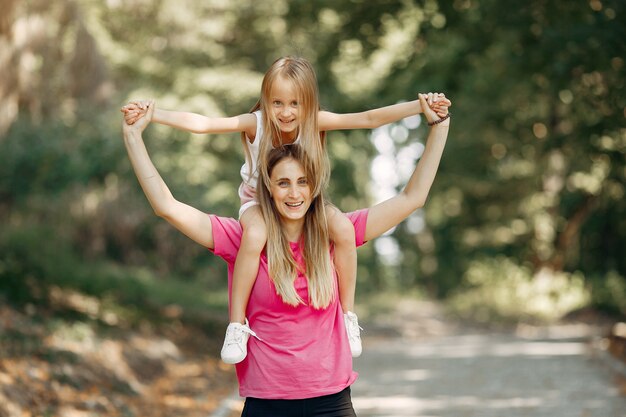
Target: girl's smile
x=285, y=108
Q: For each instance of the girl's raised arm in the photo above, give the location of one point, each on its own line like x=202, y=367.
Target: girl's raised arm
x=190, y=221
x=390, y=213
x=374, y=118
x=191, y=122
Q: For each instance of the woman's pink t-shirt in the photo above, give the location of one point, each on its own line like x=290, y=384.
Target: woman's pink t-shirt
x=303, y=352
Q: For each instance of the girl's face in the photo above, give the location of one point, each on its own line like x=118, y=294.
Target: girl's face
x=290, y=189
x=285, y=107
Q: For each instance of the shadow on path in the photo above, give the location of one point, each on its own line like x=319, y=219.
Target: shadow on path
x=423, y=366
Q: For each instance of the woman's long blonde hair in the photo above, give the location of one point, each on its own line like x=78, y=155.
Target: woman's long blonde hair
x=283, y=268
x=301, y=73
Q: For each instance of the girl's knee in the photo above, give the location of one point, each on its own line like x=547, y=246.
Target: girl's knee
x=256, y=231
x=254, y=236
x=341, y=229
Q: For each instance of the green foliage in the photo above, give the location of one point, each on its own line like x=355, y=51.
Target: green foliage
x=609, y=293
x=532, y=174
x=26, y=267
x=500, y=290
x=47, y=159
x=537, y=145
x=32, y=273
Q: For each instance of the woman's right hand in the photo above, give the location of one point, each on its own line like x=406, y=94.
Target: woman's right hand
x=439, y=103
x=135, y=110
x=137, y=115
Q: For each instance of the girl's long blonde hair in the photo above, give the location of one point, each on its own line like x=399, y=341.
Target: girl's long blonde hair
x=283, y=268
x=301, y=73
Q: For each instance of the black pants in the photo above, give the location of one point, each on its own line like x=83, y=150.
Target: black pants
x=334, y=405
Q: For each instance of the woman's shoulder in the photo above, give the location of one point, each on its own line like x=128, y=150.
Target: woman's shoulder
x=359, y=220
x=227, y=233
x=228, y=225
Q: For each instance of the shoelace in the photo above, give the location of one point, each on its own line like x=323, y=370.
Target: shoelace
x=237, y=334
x=353, y=324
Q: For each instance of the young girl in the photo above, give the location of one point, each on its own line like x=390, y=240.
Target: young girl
x=287, y=112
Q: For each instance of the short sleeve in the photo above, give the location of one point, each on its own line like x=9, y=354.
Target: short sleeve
x=226, y=237
x=359, y=220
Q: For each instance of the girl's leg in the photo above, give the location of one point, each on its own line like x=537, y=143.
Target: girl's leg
x=247, y=262
x=244, y=275
x=341, y=232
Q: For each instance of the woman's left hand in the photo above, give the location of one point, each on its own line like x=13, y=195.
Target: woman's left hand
x=431, y=110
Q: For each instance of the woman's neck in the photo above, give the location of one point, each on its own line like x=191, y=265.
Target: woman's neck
x=293, y=229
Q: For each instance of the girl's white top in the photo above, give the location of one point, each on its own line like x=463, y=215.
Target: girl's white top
x=250, y=175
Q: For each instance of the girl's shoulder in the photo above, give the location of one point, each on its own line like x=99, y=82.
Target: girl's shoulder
x=250, y=123
x=253, y=119
x=258, y=116
x=250, y=118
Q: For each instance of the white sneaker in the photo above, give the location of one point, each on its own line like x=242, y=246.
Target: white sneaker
x=354, y=333
x=235, y=346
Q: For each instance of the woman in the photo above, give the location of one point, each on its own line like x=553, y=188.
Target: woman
x=299, y=362
x=289, y=96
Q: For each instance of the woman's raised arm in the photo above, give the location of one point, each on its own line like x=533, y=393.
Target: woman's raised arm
x=190, y=221
x=390, y=213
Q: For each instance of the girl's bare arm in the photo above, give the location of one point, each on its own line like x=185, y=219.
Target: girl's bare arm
x=191, y=122
x=374, y=118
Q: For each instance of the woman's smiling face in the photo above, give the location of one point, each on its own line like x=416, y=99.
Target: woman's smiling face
x=290, y=190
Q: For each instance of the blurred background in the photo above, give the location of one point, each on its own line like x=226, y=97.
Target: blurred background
x=526, y=219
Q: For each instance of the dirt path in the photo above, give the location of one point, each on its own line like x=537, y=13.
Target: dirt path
x=416, y=363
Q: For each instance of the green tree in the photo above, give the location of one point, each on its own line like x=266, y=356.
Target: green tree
x=533, y=173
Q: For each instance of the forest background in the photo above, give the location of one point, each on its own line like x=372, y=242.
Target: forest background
x=526, y=219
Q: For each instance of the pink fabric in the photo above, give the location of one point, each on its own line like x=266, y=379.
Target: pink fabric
x=304, y=352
